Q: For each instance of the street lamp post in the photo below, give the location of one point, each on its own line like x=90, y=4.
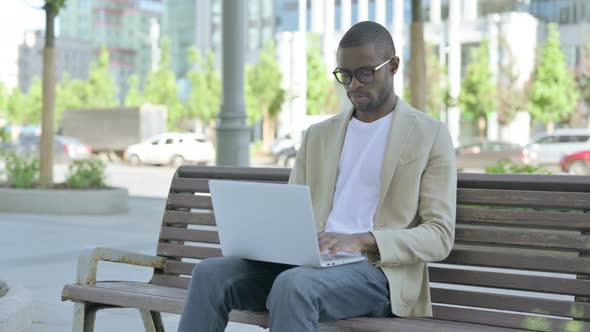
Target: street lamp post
x=233, y=134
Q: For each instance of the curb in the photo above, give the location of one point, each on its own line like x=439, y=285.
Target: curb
x=16, y=310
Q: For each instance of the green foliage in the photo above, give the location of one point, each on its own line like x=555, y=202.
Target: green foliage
x=318, y=84
x=54, y=4
x=205, y=96
x=511, y=98
x=263, y=82
x=16, y=105
x=134, y=97
x=478, y=92
x=553, y=96
x=437, y=84
x=69, y=94
x=161, y=88
x=21, y=171
x=505, y=167
x=83, y=174
x=3, y=99
x=583, y=75
x=102, y=91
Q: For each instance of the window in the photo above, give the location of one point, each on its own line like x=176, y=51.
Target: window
x=547, y=140
x=169, y=141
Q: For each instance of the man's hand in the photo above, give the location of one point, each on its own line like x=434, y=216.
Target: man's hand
x=351, y=243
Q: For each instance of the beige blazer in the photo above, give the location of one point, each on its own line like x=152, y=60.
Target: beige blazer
x=415, y=219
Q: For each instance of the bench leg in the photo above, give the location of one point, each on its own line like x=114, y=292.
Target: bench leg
x=84, y=317
x=152, y=320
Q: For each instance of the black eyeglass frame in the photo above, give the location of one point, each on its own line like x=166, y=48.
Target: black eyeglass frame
x=355, y=73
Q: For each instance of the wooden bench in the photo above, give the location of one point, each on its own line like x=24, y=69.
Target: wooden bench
x=520, y=260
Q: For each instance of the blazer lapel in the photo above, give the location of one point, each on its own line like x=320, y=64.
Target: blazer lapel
x=399, y=133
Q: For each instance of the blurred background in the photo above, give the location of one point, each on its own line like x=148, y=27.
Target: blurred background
x=138, y=82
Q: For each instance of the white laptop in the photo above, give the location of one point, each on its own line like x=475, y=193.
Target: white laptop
x=269, y=222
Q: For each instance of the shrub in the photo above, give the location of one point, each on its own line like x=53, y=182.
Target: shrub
x=84, y=174
x=21, y=171
x=504, y=167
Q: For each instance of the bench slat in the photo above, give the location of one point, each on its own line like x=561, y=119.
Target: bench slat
x=234, y=173
x=170, y=281
x=539, y=219
x=520, y=282
x=524, y=199
x=511, y=303
x=528, y=238
x=202, y=185
x=192, y=235
x=509, y=320
x=172, y=217
x=523, y=261
x=189, y=201
x=178, y=250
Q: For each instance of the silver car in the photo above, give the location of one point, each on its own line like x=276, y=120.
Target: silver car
x=549, y=149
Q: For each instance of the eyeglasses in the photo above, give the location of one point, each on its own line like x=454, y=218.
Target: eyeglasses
x=364, y=75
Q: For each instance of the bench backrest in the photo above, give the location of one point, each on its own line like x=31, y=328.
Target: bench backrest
x=520, y=259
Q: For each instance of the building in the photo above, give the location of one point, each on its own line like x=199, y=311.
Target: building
x=128, y=29
x=197, y=23
x=72, y=57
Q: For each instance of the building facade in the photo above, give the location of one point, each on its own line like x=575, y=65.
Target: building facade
x=128, y=29
x=72, y=58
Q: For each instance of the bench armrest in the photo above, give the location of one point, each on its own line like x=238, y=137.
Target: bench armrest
x=88, y=262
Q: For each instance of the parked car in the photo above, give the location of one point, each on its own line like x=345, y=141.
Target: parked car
x=551, y=148
x=172, y=148
x=65, y=148
x=486, y=153
x=281, y=145
x=577, y=163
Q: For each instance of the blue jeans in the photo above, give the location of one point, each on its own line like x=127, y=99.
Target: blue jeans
x=297, y=298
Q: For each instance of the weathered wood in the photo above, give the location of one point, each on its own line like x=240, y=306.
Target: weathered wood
x=537, y=182
x=181, y=251
x=189, y=201
x=191, y=185
x=511, y=303
x=508, y=320
x=172, y=217
x=523, y=261
x=173, y=267
x=528, y=238
x=170, y=281
x=524, y=199
x=519, y=282
x=234, y=173
x=516, y=218
x=191, y=235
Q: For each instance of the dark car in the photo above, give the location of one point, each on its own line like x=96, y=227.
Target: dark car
x=65, y=148
x=487, y=153
x=577, y=163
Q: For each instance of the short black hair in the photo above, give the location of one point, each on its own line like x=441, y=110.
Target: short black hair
x=369, y=33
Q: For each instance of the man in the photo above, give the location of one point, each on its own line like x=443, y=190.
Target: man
x=382, y=180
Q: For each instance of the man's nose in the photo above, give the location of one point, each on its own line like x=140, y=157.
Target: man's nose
x=355, y=83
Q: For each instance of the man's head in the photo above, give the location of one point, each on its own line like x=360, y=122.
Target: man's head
x=366, y=65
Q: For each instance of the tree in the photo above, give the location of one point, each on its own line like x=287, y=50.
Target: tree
x=264, y=86
x=71, y=94
x=437, y=84
x=52, y=8
x=161, y=88
x=102, y=91
x=583, y=75
x=553, y=95
x=32, y=112
x=511, y=97
x=417, y=58
x=15, y=104
x=318, y=84
x=478, y=91
x=205, y=95
x=134, y=97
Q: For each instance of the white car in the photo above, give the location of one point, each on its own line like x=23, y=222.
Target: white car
x=172, y=148
x=551, y=148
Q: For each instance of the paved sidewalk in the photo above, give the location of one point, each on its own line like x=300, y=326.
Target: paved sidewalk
x=40, y=253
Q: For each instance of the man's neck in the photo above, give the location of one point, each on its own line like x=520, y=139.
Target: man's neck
x=385, y=108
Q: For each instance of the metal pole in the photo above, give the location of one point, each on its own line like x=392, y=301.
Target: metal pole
x=233, y=135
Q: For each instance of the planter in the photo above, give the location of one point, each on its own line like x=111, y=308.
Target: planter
x=16, y=310
x=64, y=201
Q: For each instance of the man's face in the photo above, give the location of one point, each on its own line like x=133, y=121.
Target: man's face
x=366, y=97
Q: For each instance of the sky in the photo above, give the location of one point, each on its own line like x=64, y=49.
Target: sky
x=16, y=16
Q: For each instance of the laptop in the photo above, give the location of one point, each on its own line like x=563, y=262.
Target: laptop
x=269, y=222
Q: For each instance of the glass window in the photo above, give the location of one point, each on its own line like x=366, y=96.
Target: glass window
x=547, y=140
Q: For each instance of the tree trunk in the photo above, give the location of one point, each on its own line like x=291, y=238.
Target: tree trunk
x=482, y=127
x=46, y=164
x=417, y=58
x=268, y=134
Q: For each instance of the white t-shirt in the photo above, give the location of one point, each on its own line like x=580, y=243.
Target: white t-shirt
x=358, y=182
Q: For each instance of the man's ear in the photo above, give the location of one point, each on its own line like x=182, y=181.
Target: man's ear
x=394, y=65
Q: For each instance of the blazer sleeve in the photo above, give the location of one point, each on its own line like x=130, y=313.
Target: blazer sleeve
x=432, y=240
x=298, y=171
